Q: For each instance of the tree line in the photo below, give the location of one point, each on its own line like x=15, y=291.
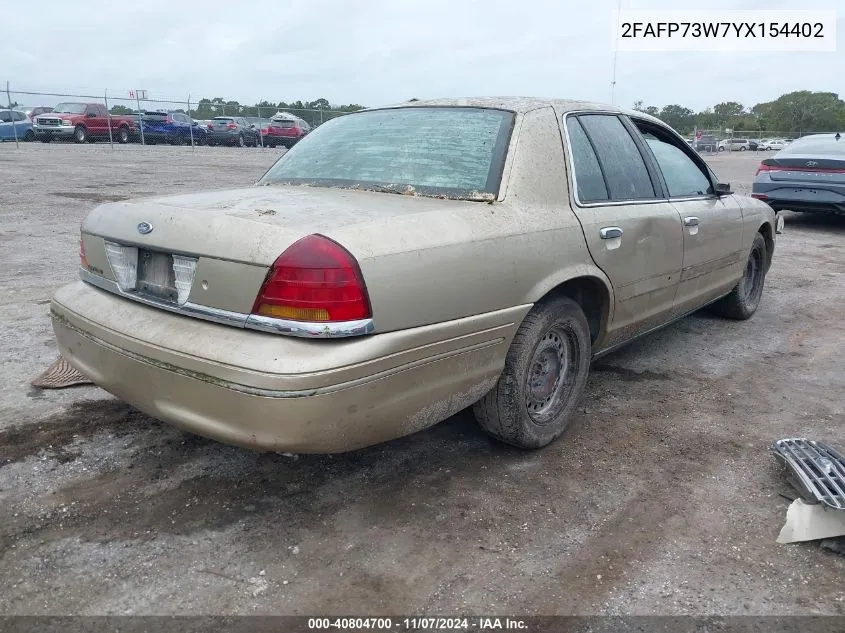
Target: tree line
x=792, y=114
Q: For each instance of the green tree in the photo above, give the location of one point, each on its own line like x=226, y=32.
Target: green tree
x=728, y=109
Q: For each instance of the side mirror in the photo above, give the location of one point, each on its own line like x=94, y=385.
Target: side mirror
x=723, y=189
x=252, y=127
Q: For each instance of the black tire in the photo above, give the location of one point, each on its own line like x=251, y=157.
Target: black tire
x=46, y=138
x=744, y=299
x=552, y=340
x=271, y=146
x=721, y=149
x=80, y=134
x=211, y=143
x=240, y=141
x=29, y=136
x=123, y=135
x=742, y=148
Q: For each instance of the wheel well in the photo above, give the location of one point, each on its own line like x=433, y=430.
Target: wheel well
x=766, y=232
x=592, y=295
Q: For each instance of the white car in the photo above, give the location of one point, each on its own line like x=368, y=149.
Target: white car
x=773, y=144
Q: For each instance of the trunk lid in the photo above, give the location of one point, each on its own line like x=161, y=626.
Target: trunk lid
x=829, y=170
x=252, y=225
x=214, y=249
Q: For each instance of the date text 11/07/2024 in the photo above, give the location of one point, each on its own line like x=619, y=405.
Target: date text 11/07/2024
x=418, y=624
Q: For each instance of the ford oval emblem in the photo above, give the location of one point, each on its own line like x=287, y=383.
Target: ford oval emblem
x=144, y=228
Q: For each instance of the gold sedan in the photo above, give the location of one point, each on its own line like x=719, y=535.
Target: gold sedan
x=401, y=264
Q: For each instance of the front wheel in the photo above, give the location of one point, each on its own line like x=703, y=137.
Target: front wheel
x=80, y=134
x=545, y=374
x=29, y=136
x=744, y=299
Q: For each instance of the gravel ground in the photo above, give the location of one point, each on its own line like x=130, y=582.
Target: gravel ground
x=662, y=498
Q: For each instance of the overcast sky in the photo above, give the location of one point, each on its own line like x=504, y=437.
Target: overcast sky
x=375, y=52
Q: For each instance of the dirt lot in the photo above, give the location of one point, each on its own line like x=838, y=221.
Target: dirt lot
x=662, y=498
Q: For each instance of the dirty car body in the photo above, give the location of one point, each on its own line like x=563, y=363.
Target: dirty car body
x=401, y=264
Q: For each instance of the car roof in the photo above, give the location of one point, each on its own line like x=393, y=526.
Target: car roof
x=520, y=105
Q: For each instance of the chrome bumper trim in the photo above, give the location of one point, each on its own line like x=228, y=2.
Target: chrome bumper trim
x=256, y=322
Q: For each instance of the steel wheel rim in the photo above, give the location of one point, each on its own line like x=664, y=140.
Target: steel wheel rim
x=750, y=280
x=551, y=374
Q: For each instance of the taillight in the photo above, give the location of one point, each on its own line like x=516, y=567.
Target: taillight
x=763, y=167
x=83, y=260
x=315, y=280
x=231, y=126
x=760, y=196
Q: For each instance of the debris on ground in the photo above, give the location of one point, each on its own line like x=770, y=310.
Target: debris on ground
x=59, y=375
x=817, y=471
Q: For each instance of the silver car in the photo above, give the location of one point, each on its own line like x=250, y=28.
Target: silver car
x=807, y=175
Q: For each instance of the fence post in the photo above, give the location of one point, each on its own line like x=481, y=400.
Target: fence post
x=193, y=148
x=108, y=116
x=140, y=117
x=260, y=125
x=12, y=117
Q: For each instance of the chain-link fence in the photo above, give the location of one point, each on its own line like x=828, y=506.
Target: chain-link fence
x=133, y=116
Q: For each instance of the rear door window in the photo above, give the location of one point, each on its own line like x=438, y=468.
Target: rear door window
x=589, y=180
x=624, y=169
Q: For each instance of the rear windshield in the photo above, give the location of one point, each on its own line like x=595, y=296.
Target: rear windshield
x=284, y=124
x=221, y=120
x=440, y=151
x=823, y=145
x=69, y=108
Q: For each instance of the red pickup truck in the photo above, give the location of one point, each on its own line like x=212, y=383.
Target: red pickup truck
x=83, y=122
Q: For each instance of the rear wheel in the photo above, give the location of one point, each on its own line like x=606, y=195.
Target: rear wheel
x=29, y=136
x=744, y=299
x=545, y=374
x=123, y=135
x=80, y=134
x=240, y=141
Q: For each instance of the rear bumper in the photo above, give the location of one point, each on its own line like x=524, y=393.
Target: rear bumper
x=801, y=196
x=271, y=392
x=224, y=137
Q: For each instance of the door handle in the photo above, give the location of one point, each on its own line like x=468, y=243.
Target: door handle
x=691, y=221
x=610, y=232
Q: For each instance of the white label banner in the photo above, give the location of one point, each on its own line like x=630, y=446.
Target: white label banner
x=737, y=31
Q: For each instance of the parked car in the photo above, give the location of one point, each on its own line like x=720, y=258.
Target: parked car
x=32, y=112
x=285, y=132
x=84, y=122
x=706, y=143
x=175, y=128
x=737, y=145
x=513, y=261
x=225, y=130
x=808, y=175
x=15, y=124
x=772, y=144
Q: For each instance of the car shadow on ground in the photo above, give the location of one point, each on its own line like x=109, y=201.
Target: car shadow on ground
x=816, y=222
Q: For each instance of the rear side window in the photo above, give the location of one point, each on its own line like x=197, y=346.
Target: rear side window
x=589, y=180
x=624, y=168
